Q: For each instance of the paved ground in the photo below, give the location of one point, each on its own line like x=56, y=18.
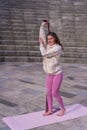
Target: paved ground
x=22, y=90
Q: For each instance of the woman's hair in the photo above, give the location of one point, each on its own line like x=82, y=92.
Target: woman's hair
x=57, y=40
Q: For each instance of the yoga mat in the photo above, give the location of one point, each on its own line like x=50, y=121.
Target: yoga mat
x=36, y=119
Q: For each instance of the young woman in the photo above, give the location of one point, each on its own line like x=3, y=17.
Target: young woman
x=51, y=49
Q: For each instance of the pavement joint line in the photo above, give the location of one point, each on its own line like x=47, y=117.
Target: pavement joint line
x=7, y=103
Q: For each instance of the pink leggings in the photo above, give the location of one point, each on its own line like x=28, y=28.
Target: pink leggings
x=53, y=83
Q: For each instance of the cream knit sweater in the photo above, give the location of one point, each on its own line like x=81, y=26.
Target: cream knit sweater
x=51, y=55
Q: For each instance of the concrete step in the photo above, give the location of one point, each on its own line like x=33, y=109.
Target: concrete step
x=73, y=60
x=20, y=53
x=75, y=49
x=75, y=55
x=74, y=44
x=22, y=59
x=2, y=58
x=26, y=47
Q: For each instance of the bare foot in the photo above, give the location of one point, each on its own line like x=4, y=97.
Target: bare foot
x=47, y=113
x=61, y=112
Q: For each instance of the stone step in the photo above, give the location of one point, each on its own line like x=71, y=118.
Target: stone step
x=35, y=43
x=74, y=44
x=73, y=60
x=33, y=47
x=2, y=58
x=20, y=53
x=20, y=22
x=38, y=54
x=22, y=59
x=75, y=49
x=75, y=55
x=26, y=47
x=39, y=59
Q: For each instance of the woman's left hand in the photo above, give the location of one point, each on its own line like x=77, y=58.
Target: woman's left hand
x=40, y=40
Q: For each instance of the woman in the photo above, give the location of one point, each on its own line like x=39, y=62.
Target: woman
x=51, y=49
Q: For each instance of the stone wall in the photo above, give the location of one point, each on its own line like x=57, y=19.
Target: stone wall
x=19, y=28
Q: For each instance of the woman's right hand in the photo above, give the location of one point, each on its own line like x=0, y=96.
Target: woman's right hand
x=44, y=23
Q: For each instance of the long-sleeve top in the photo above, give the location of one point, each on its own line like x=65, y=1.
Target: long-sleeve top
x=51, y=55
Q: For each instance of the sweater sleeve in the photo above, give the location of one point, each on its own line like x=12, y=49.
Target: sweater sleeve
x=42, y=34
x=51, y=52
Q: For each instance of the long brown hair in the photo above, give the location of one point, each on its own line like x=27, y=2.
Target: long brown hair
x=57, y=40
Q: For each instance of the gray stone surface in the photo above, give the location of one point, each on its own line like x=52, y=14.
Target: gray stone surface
x=19, y=28
x=22, y=90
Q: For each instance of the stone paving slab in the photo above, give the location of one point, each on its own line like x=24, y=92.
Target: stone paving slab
x=22, y=90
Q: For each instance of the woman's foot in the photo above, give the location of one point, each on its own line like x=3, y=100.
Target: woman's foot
x=61, y=112
x=47, y=113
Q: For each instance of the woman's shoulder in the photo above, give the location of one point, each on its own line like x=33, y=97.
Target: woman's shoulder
x=55, y=47
x=58, y=46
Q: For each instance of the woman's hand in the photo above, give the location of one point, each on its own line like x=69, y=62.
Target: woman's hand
x=44, y=23
x=40, y=41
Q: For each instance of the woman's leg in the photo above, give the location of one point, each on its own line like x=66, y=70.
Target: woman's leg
x=55, y=91
x=49, y=81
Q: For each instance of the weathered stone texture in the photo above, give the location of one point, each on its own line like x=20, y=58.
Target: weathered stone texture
x=19, y=28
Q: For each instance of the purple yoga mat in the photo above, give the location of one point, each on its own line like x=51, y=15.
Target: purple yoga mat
x=36, y=119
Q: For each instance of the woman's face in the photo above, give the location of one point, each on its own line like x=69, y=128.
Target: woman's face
x=50, y=40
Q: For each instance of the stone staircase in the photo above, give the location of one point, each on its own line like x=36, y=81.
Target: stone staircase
x=19, y=29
